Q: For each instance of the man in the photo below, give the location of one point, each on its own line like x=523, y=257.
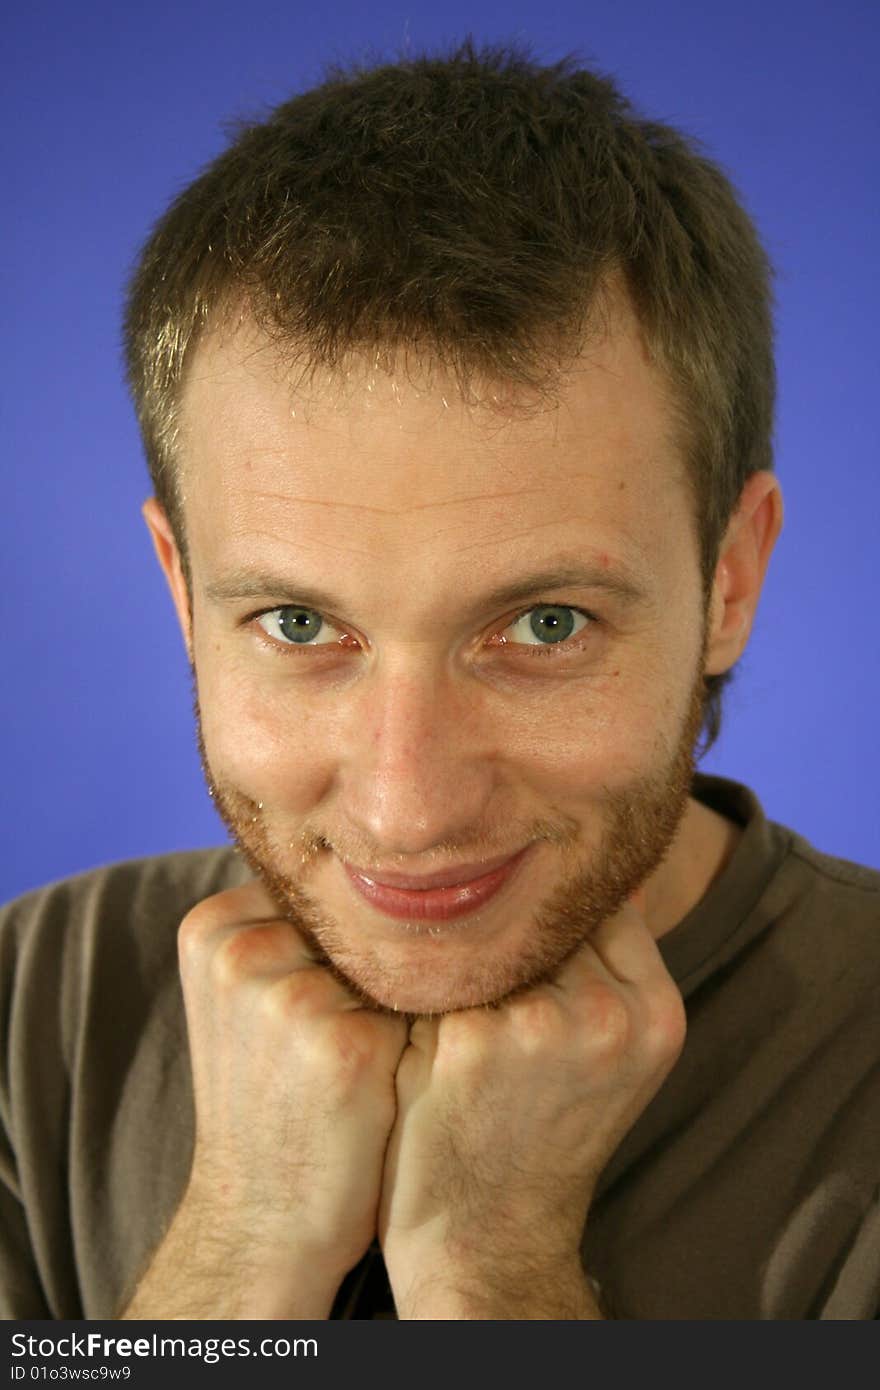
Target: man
x=456, y=383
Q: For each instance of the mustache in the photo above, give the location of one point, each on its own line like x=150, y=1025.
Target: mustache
x=309, y=843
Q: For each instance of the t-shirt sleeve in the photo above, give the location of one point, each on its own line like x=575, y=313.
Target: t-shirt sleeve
x=21, y=1294
x=38, y=1277
x=21, y=1291
x=95, y=1097
x=855, y=1294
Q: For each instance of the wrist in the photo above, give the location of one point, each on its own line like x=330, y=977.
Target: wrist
x=492, y=1286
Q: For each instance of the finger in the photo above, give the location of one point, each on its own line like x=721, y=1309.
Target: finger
x=620, y=950
x=423, y=1034
x=266, y=949
x=627, y=948
x=249, y=902
x=246, y=925
x=416, y=1062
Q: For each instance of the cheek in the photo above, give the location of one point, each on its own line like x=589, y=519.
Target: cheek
x=265, y=747
x=591, y=751
x=596, y=735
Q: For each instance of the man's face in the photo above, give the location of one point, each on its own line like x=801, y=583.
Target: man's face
x=369, y=697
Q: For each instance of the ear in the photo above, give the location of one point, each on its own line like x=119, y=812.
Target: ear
x=739, y=575
x=169, y=558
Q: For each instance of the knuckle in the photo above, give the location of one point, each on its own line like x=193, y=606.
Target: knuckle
x=353, y=1041
x=228, y=964
x=537, y=1019
x=609, y=1021
x=349, y=1056
x=295, y=998
x=219, y=915
x=245, y=952
x=463, y=1033
x=464, y=1041
x=197, y=929
x=667, y=1028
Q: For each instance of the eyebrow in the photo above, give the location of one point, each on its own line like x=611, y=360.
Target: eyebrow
x=615, y=581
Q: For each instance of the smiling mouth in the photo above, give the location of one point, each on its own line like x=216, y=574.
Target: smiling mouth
x=436, y=900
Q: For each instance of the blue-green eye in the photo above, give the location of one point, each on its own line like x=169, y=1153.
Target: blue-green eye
x=300, y=627
x=546, y=625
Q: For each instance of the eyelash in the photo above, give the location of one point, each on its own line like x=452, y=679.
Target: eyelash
x=570, y=644
x=565, y=647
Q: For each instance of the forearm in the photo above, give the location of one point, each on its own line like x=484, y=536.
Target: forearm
x=197, y=1273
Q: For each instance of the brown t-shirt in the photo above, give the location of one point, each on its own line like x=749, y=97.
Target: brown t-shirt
x=748, y=1189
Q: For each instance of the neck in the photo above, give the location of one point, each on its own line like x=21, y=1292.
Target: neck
x=701, y=850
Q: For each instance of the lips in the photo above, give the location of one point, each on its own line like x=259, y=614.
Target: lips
x=440, y=896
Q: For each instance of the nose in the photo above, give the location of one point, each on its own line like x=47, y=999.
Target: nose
x=419, y=770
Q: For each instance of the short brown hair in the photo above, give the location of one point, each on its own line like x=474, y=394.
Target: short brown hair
x=471, y=206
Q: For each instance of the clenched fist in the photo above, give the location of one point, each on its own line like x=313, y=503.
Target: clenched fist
x=505, y=1119
x=294, y=1097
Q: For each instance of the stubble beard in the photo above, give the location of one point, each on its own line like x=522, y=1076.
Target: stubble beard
x=640, y=826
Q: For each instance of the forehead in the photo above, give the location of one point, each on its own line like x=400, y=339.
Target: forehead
x=380, y=460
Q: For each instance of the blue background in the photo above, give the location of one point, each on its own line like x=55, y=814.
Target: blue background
x=110, y=110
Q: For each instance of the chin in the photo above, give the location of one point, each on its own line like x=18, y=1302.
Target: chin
x=426, y=978
x=419, y=1000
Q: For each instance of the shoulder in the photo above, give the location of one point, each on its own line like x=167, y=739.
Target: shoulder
x=157, y=888
x=111, y=929
x=841, y=877
x=778, y=880
x=827, y=909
